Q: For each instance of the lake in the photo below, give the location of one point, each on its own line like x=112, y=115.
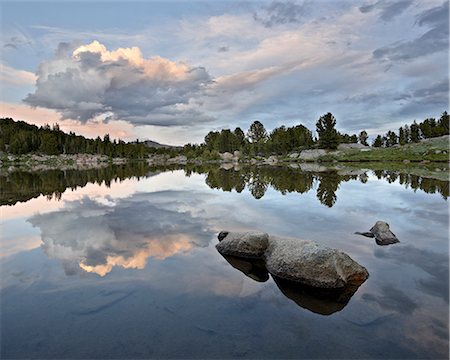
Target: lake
x=121, y=263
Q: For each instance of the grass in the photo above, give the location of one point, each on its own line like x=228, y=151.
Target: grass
x=433, y=150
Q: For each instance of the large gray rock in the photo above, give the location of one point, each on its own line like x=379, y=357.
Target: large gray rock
x=383, y=235
x=352, y=146
x=312, y=264
x=226, y=157
x=312, y=154
x=243, y=244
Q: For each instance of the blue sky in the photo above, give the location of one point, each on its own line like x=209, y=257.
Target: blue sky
x=171, y=71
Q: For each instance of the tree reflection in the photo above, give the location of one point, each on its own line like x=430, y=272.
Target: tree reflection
x=290, y=180
x=22, y=186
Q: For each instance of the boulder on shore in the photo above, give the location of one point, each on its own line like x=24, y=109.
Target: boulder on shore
x=312, y=154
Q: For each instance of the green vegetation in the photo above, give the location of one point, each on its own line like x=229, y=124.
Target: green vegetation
x=428, y=150
x=22, y=138
x=18, y=137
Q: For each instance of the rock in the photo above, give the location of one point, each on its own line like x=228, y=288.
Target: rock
x=312, y=264
x=366, y=234
x=425, y=161
x=313, y=167
x=181, y=159
x=293, y=156
x=312, y=154
x=271, y=160
x=243, y=244
x=237, y=154
x=351, y=146
x=226, y=157
x=406, y=161
x=364, y=150
x=383, y=235
x=227, y=166
x=222, y=235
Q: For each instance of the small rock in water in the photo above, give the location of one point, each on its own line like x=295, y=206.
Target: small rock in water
x=382, y=234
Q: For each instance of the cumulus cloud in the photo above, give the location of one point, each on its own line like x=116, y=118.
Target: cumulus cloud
x=96, y=237
x=432, y=41
x=90, y=81
x=278, y=13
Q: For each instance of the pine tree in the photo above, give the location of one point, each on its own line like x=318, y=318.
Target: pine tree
x=363, y=138
x=328, y=136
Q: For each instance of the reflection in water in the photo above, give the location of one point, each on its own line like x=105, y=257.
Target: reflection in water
x=319, y=301
x=287, y=179
x=254, y=268
x=96, y=237
x=20, y=186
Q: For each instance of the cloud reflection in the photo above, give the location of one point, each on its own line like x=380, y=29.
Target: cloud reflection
x=97, y=237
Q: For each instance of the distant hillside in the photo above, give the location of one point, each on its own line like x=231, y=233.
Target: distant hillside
x=156, y=145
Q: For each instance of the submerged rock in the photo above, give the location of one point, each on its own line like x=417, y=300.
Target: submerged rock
x=312, y=264
x=382, y=234
x=243, y=244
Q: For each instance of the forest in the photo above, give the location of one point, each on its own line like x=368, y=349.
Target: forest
x=19, y=137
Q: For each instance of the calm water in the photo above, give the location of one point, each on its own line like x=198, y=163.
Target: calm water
x=104, y=264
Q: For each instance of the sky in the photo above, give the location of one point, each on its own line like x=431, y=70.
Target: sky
x=172, y=71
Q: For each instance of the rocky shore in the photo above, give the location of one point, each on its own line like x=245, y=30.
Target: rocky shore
x=36, y=162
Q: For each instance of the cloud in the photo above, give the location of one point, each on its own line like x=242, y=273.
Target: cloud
x=279, y=13
x=96, y=237
x=388, y=9
x=17, y=41
x=392, y=299
x=11, y=76
x=432, y=41
x=91, y=81
x=223, y=49
x=433, y=263
x=435, y=95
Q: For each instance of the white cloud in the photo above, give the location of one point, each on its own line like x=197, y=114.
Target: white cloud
x=91, y=81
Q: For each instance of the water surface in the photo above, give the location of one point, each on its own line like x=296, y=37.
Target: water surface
x=122, y=264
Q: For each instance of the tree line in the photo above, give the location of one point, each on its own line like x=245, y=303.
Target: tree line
x=283, y=140
x=429, y=128
x=18, y=137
